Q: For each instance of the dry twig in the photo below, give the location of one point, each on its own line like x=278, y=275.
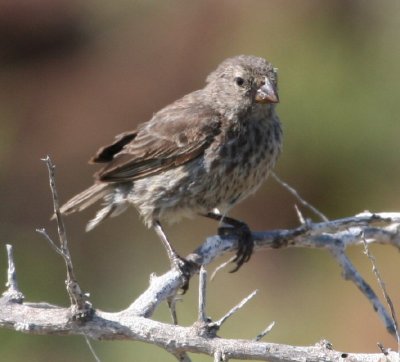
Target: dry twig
x=82, y=308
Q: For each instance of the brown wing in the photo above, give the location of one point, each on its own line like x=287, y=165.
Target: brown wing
x=177, y=134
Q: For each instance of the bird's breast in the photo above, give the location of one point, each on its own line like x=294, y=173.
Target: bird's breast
x=240, y=160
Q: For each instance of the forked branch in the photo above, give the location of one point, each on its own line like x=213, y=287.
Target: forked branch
x=134, y=323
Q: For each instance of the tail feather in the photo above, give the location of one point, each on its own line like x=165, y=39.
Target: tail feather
x=85, y=199
x=100, y=216
x=114, y=203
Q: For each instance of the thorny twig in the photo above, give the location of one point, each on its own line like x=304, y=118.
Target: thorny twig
x=79, y=301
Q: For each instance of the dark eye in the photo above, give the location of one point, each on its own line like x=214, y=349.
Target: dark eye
x=272, y=76
x=239, y=81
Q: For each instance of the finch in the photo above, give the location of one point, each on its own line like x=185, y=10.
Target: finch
x=208, y=150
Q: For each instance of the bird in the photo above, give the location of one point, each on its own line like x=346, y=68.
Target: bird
x=200, y=155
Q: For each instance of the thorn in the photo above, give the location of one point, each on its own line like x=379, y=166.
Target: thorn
x=234, y=309
x=221, y=266
x=12, y=293
x=383, y=349
x=265, y=331
x=299, y=215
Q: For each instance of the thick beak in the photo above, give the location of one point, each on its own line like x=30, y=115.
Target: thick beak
x=267, y=93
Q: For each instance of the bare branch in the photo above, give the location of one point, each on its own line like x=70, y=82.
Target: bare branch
x=130, y=324
x=350, y=273
x=92, y=351
x=222, y=266
x=79, y=300
x=265, y=331
x=384, y=292
x=298, y=197
x=12, y=293
x=161, y=288
x=222, y=320
x=47, y=319
x=378, y=227
x=56, y=205
x=334, y=235
x=44, y=233
x=172, y=307
x=202, y=317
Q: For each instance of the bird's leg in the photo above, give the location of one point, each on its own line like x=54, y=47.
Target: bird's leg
x=241, y=231
x=177, y=262
x=172, y=254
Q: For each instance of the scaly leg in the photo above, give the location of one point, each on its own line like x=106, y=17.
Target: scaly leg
x=177, y=262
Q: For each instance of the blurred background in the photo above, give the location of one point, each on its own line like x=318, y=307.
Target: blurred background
x=75, y=73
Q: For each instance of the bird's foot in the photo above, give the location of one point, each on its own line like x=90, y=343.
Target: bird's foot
x=243, y=233
x=186, y=269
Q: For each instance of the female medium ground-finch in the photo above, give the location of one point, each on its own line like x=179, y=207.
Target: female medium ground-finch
x=208, y=150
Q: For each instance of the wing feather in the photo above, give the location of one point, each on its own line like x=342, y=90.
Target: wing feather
x=174, y=136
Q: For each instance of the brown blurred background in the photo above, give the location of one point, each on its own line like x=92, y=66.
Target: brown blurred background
x=75, y=73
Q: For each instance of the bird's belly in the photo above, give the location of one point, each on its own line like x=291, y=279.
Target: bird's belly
x=219, y=179
x=193, y=190
x=223, y=183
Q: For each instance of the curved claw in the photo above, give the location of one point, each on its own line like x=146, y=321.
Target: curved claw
x=245, y=241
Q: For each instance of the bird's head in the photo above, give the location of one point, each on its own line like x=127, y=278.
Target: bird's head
x=242, y=82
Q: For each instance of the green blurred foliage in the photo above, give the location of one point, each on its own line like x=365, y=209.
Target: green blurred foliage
x=74, y=74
